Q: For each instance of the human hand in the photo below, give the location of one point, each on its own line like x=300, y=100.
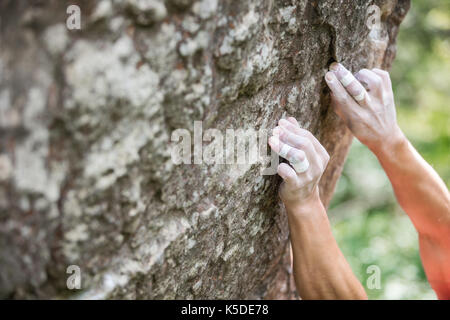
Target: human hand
x=306, y=155
x=366, y=104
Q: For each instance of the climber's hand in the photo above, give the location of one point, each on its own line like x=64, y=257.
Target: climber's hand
x=365, y=102
x=306, y=155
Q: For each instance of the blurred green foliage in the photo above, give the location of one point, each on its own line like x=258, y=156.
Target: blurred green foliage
x=370, y=227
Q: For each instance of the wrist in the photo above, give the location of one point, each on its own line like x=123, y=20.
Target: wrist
x=390, y=145
x=305, y=205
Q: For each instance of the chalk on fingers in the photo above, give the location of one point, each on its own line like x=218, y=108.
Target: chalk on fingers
x=284, y=151
x=300, y=166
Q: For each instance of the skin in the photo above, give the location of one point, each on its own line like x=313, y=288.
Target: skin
x=320, y=269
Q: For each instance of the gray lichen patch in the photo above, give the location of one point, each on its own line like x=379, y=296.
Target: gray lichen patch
x=147, y=12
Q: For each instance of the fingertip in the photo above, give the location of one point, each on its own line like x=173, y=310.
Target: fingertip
x=286, y=172
x=329, y=76
x=274, y=143
x=333, y=83
x=284, y=123
x=277, y=131
x=293, y=121
x=281, y=171
x=334, y=66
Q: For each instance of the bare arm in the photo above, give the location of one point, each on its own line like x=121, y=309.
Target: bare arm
x=320, y=269
x=418, y=188
x=425, y=198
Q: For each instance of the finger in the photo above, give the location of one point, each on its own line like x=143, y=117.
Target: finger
x=276, y=131
x=351, y=84
x=384, y=75
x=342, y=101
x=296, y=141
x=387, y=95
x=373, y=81
x=288, y=175
x=285, y=150
x=337, y=109
x=303, y=140
x=294, y=121
x=296, y=158
x=301, y=162
x=298, y=131
x=301, y=132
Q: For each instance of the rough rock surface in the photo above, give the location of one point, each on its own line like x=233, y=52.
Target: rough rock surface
x=86, y=116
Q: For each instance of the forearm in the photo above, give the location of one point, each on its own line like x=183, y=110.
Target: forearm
x=366, y=103
x=420, y=191
x=425, y=198
x=320, y=269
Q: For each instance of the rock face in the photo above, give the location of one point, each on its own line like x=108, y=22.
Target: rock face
x=86, y=119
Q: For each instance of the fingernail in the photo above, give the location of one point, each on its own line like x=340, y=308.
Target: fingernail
x=329, y=77
x=334, y=66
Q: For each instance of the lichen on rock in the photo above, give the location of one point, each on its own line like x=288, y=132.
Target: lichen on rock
x=86, y=117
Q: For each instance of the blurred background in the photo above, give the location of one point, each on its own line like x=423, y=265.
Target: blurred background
x=371, y=229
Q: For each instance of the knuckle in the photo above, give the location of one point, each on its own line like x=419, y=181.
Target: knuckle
x=297, y=155
x=299, y=142
x=382, y=72
x=308, y=143
x=362, y=71
x=377, y=80
x=285, y=136
x=310, y=176
x=293, y=154
x=307, y=134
